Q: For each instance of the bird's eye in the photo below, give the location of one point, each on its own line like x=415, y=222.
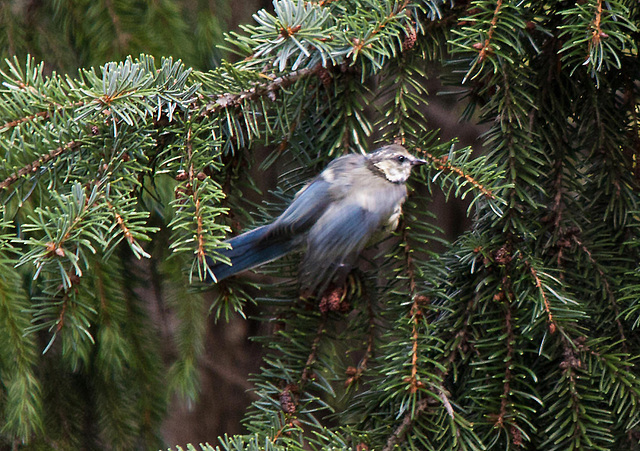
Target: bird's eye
x=401, y=158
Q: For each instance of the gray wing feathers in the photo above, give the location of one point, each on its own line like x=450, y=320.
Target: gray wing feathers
x=312, y=201
x=335, y=242
x=305, y=209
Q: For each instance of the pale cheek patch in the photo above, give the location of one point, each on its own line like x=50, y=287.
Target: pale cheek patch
x=393, y=171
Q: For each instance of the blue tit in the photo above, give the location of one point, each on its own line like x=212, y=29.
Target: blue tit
x=355, y=201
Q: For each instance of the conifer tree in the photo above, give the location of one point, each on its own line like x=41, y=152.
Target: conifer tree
x=521, y=334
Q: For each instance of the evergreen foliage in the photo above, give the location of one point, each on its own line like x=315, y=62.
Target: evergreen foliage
x=520, y=335
x=72, y=34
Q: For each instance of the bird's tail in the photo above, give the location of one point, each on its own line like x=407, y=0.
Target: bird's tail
x=251, y=249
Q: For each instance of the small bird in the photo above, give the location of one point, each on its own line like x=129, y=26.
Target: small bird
x=355, y=201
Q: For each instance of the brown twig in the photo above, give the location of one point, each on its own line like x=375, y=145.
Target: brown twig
x=121, y=223
x=398, y=434
x=306, y=375
x=416, y=314
x=7, y=125
x=597, y=34
x=190, y=189
x=201, y=252
x=230, y=100
x=485, y=47
x=34, y=166
x=443, y=164
x=552, y=324
x=504, y=402
x=307, y=372
x=47, y=114
x=359, y=43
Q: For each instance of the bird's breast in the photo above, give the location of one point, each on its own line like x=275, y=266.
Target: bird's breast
x=383, y=199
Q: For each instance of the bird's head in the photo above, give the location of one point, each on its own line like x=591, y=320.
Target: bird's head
x=393, y=162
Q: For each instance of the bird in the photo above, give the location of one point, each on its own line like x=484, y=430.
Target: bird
x=354, y=202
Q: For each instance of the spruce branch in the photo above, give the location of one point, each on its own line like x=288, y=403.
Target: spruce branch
x=360, y=43
x=557, y=207
x=307, y=372
x=355, y=373
x=460, y=340
x=192, y=189
x=22, y=407
x=443, y=164
x=127, y=230
x=417, y=314
x=408, y=420
x=458, y=330
x=553, y=326
x=55, y=108
x=289, y=397
x=607, y=287
x=41, y=114
x=267, y=89
x=605, y=28
x=35, y=165
x=76, y=220
x=617, y=376
x=501, y=29
x=597, y=34
x=485, y=47
x=569, y=366
x=508, y=359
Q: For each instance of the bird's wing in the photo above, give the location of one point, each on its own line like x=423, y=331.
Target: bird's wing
x=311, y=202
x=308, y=205
x=335, y=242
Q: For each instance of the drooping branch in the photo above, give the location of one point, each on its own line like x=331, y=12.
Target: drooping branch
x=290, y=395
x=200, y=251
x=313, y=355
x=510, y=338
x=417, y=314
x=607, y=288
x=355, y=373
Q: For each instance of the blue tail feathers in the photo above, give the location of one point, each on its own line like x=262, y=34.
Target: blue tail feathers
x=251, y=249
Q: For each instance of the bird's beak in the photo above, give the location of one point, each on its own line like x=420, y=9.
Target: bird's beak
x=418, y=162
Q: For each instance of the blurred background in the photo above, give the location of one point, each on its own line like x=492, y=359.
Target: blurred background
x=68, y=35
